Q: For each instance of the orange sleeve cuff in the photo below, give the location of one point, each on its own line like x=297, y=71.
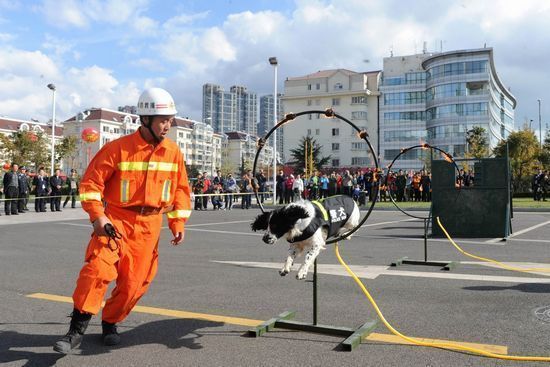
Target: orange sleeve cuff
x=94, y=210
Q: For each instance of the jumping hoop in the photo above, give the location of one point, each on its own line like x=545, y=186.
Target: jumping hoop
x=329, y=112
x=448, y=156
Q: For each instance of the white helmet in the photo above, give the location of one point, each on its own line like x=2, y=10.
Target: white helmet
x=156, y=101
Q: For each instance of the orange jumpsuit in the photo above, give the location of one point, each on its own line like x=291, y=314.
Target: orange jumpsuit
x=137, y=181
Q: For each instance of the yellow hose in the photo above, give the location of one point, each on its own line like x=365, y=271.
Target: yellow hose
x=449, y=346
x=502, y=265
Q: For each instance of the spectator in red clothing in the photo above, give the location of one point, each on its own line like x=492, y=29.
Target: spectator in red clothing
x=206, y=189
x=289, y=193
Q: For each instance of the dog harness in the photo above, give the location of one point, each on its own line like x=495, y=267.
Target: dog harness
x=331, y=213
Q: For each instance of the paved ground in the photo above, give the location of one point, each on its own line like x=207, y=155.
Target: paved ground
x=224, y=269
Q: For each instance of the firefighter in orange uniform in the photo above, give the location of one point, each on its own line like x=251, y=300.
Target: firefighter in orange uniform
x=129, y=184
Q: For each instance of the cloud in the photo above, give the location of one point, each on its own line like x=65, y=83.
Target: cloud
x=6, y=37
x=182, y=21
x=191, y=49
x=64, y=13
x=82, y=13
x=24, y=76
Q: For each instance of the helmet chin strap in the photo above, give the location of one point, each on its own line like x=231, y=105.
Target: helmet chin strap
x=149, y=127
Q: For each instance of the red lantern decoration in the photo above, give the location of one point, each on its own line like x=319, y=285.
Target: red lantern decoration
x=6, y=166
x=90, y=135
x=32, y=136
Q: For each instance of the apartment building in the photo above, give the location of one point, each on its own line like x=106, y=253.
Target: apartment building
x=353, y=95
x=233, y=110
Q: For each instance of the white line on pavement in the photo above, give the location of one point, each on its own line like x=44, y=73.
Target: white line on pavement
x=224, y=232
x=373, y=271
x=213, y=224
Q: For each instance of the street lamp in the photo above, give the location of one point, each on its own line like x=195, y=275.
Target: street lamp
x=274, y=63
x=52, y=88
x=540, y=126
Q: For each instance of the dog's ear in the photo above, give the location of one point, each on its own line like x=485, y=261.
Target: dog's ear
x=261, y=222
x=295, y=212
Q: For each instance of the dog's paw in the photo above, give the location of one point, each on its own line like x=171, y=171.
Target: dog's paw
x=283, y=272
x=301, y=275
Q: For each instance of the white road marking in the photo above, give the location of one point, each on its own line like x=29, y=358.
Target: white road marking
x=429, y=239
x=392, y=222
x=529, y=229
x=76, y=224
x=224, y=232
x=518, y=233
x=214, y=224
x=373, y=271
x=528, y=240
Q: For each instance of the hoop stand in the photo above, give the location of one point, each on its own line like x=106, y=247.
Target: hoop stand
x=283, y=321
x=445, y=265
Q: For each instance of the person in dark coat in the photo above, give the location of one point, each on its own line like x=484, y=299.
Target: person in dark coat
x=40, y=186
x=23, y=189
x=56, y=182
x=11, y=190
x=72, y=183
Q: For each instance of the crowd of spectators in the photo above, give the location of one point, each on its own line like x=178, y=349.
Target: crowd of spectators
x=224, y=192
x=18, y=184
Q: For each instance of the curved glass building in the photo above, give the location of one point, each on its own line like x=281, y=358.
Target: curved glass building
x=463, y=90
x=438, y=98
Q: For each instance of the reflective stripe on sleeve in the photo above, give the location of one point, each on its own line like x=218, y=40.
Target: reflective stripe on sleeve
x=148, y=166
x=166, y=191
x=124, y=191
x=90, y=196
x=179, y=214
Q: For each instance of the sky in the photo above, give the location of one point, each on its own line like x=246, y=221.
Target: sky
x=103, y=53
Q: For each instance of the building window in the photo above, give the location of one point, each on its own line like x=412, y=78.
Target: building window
x=335, y=163
x=359, y=115
x=359, y=161
x=335, y=132
x=105, y=129
x=309, y=87
x=335, y=146
x=338, y=86
x=357, y=146
x=308, y=132
x=317, y=131
x=318, y=86
x=359, y=100
x=318, y=116
x=336, y=101
x=116, y=130
x=309, y=102
x=309, y=117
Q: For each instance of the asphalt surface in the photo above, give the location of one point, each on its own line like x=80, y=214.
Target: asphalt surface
x=223, y=269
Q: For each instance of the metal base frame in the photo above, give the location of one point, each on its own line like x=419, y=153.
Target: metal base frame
x=284, y=321
x=445, y=265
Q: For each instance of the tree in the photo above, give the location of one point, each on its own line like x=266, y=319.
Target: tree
x=192, y=170
x=544, y=155
x=299, y=155
x=27, y=148
x=523, y=150
x=477, y=143
x=67, y=148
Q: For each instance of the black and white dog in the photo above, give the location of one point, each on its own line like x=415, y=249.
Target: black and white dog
x=306, y=225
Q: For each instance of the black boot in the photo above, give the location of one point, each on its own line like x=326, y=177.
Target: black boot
x=71, y=340
x=110, y=334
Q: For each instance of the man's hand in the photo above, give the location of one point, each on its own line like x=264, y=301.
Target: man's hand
x=99, y=225
x=178, y=238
